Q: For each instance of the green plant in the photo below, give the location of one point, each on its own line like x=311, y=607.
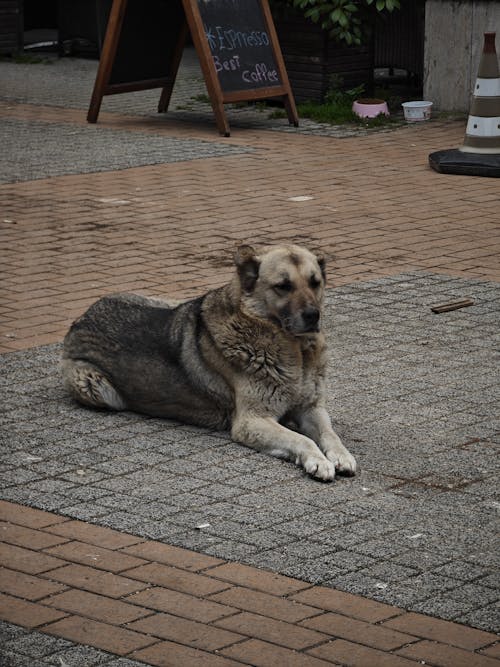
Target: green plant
x=27, y=59
x=202, y=97
x=337, y=108
x=346, y=20
x=337, y=96
x=277, y=113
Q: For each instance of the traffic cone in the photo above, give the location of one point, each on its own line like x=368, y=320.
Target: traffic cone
x=480, y=153
x=483, y=128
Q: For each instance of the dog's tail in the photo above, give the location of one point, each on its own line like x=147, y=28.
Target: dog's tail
x=88, y=385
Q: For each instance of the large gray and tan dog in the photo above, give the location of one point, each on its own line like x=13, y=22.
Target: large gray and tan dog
x=249, y=356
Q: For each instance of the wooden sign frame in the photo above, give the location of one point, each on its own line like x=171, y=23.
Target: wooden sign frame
x=104, y=86
x=219, y=97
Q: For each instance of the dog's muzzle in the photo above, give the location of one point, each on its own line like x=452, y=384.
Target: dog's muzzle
x=305, y=321
x=310, y=318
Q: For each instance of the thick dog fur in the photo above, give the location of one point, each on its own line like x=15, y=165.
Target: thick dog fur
x=249, y=357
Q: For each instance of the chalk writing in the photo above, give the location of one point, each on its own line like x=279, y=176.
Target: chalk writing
x=238, y=37
x=260, y=73
x=227, y=39
x=230, y=64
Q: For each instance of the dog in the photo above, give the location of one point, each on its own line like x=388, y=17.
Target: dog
x=249, y=357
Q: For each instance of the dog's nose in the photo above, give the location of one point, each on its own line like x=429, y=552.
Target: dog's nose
x=310, y=316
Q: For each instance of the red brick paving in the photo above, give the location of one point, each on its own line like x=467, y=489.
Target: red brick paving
x=439, y=630
x=170, y=229
x=95, y=580
x=105, y=636
x=377, y=209
x=346, y=603
x=226, y=613
x=443, y=655
x=376, y=636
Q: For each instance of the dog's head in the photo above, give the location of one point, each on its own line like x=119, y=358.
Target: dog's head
x=284, y=285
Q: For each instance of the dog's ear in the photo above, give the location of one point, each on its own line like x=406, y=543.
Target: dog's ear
x=322, y=264
x=247, y=265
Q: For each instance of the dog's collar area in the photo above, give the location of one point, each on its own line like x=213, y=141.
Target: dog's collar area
x=308, y=334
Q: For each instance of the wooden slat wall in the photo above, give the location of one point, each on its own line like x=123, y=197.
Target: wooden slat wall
x=312, y=59
x=11, y=26
x=399, y=39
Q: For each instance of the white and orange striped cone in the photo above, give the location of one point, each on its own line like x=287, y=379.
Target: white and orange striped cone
x=480, y=153
x=483, y=128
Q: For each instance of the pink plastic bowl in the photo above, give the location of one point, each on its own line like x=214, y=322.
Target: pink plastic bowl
x=370, y=108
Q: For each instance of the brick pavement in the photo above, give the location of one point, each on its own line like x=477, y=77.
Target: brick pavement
x=85, y=594
x=179, y=222
x=162, y=605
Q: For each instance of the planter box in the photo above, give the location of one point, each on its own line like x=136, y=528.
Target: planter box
x=312, y=58
x=399, y=39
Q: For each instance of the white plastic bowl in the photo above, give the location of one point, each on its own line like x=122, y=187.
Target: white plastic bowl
x=415, y=111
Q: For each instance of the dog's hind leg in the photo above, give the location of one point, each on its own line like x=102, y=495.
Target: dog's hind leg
x=89, y=385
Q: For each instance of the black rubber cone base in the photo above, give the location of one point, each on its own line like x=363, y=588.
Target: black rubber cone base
x=453, y=161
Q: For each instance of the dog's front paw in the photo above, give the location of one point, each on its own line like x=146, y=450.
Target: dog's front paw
x=319, y=467
x=344, y=462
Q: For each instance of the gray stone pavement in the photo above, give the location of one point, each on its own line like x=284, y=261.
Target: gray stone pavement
x=25, y=648
x=42, y=150
x=68, y=83
x=413, y=394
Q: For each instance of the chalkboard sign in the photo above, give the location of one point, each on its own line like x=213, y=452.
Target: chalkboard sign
x=240, y=44
x=235, y=40
x=142, y=49
x=239, y=53
x=149, y=32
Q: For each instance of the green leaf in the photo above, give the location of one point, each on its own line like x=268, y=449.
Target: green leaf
x=312, y=14
x=380, y=5
x=335, y=15
x=343, y=20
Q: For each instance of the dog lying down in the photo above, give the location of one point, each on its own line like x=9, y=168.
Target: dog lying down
x=249, y=356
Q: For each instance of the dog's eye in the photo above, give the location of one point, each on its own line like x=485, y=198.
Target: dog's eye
x=314, y=282
x=285, y=286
